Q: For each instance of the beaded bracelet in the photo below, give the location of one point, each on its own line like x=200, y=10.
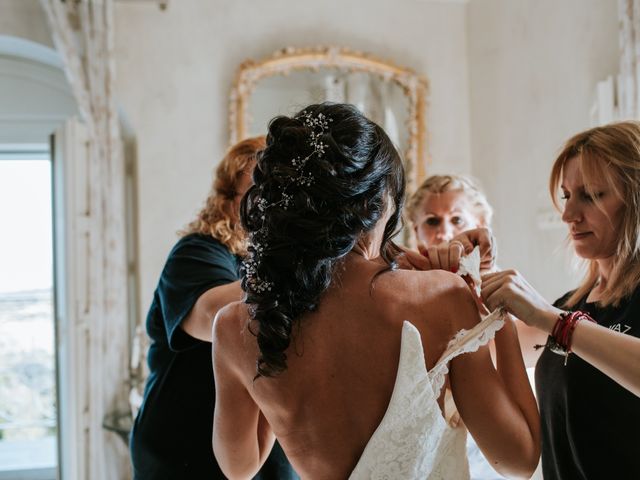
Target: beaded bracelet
x=560, y=339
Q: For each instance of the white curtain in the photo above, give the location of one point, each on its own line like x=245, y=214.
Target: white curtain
x=628, y=105
x=83, y=34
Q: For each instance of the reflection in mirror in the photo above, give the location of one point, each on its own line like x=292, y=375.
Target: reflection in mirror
x=290, y=79
x=382, y=101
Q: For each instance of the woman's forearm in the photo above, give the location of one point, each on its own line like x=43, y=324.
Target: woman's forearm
x=614, y=354
x=511, y=368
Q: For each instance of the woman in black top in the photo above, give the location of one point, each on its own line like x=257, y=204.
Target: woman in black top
x=590, y=401
x=171, y=438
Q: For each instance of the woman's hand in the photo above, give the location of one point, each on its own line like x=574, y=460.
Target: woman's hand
x=480, y=237
x=411, y=260
x=445, y=256
x=510, y=290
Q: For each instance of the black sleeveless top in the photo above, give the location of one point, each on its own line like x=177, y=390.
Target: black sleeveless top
x=590, y=424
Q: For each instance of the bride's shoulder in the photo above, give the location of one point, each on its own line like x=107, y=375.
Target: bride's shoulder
x=430, y=283
x=232, y=313
x=229, y=323
x=436, y=300
x=434, y=291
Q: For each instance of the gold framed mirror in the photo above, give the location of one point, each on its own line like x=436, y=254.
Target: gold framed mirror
x=288, y=80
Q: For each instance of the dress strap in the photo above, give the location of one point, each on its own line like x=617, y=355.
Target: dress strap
x=465, y=341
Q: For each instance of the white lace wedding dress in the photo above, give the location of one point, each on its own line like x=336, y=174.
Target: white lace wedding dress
x=413, y=440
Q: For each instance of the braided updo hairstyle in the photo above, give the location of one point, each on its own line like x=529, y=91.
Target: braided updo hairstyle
x=301, y=222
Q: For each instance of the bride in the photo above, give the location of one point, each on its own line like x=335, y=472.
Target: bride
x=335, y=351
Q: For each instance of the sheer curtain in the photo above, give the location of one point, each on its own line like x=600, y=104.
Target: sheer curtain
x=629, y=77
x=619, y=98
x=83, y=34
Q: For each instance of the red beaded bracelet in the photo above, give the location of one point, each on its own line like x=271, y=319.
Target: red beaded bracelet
x=560, y=339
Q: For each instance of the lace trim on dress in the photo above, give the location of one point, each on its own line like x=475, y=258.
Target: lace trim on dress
x=465, y=341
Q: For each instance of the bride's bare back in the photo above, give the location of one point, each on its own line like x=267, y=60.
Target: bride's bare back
x=343, y=360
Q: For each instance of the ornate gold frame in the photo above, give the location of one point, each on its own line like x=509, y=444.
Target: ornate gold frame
x=291, y=59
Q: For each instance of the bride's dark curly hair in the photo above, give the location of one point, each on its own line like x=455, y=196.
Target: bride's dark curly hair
x=296, y=247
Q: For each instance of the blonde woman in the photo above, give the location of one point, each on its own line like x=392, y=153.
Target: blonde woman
x=589, y=401
x=171, y=438
x=443, y=207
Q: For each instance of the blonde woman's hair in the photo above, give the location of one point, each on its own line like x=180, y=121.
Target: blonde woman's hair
x=451, y=183
x=609, y=154
x=219, y=217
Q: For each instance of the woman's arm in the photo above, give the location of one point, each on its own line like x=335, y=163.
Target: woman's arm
x=529, y=337
x=199, y=321
x=242, y=437
x=496, y=404
x=615, y=354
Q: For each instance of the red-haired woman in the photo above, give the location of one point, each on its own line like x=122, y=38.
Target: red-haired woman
x=171, y=438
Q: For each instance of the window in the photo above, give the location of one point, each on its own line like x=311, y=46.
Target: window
x=28, y=419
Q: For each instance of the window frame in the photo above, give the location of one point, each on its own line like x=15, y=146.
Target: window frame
x=37, y=151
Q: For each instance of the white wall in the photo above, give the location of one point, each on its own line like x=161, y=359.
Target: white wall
x=175, y=70
x=24, y=19
x=533, y=72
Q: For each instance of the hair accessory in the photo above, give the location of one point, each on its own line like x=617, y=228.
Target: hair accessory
x=250, y=266
x=560, y=339
x=318, y=126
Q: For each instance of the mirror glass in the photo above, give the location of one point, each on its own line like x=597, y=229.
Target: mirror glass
x=381, y=100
